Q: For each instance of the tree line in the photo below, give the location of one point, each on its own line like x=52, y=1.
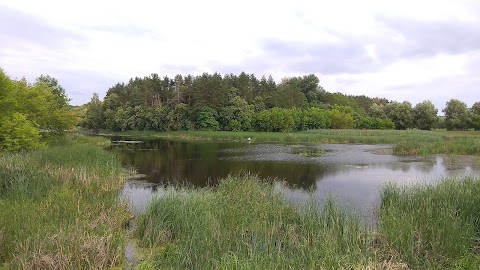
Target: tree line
x=33, y=113
x=245, y=103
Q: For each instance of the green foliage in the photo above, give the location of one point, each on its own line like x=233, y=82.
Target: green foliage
x=244, y=103
x=276, y=119
x=94, y=118
x=400, y=114
x=8, y=101
x=315, y=118
x=28, y=109
x=258, y=104
x=60, y=208
x=367, y=122
x=309, y=86
x=206, y=119
x=378, y=111
x=425, y=115
x=288, y=95
x=340, y=119
x=456, y=115
x=178, y=118
x=237, y=116
x=58, y=91
x=475, y=116
x=18, y=133
x=433, y=227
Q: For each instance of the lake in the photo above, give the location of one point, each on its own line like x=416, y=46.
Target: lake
x=353, y=174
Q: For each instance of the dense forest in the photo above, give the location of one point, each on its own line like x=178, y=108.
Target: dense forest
x=245, y=103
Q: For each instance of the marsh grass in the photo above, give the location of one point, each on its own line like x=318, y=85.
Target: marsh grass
x=434, y=227
x=60, y=208
x=405, y=142
x=246, y=224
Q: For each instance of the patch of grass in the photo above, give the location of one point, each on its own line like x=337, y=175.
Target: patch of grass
x=434, y=227
x=246, y=224
x=309, y=152
x=405, y=142
x=60, y=208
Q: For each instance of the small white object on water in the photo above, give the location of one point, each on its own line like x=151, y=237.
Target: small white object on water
x=249, y=139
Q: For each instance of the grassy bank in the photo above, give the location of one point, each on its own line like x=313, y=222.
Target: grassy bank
x=245, y=224
x=406, y=142
x=434, y=227
x=59, y=207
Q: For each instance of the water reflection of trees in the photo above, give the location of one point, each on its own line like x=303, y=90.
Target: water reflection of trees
x=424, y=167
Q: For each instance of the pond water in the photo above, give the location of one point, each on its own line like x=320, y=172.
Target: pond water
x=353, y=174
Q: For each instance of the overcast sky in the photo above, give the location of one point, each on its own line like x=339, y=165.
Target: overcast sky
x=401, y=50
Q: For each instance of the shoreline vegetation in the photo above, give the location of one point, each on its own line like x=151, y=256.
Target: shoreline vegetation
x=244, y=223
x=60, y=208
x=405, y=142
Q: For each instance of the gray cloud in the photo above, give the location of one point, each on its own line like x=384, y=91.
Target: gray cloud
x=431, y=38
x=348, y=56
x=18, y=28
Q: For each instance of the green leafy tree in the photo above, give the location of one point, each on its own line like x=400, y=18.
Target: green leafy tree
x=289, y=95
x=475, y=115
x=26, y=110
x=94, y=118
x=18, y=133
x=316, y=118
x=241, y=113
x=258, y=104
x=378, y=110
x=8, y=102
x=58, y=91
x=156, y=118
x=425, y=115
x=206, y=119
x=308, y=85
x=400, y=114
x=276, y=119
x=340, y=119
x=267, y=90
x=456, y=115
x=178, y=118
x=123, y=118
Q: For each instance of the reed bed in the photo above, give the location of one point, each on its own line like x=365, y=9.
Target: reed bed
x=60, y=207
x=246, y=224
x=434, y=227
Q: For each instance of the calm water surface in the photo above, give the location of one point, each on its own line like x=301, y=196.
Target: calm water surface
x=353, y=174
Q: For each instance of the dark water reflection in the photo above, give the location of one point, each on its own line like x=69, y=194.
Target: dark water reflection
x=353, y=174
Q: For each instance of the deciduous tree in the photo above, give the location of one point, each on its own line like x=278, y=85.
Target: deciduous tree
x=456, y=115
x=425, y=115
